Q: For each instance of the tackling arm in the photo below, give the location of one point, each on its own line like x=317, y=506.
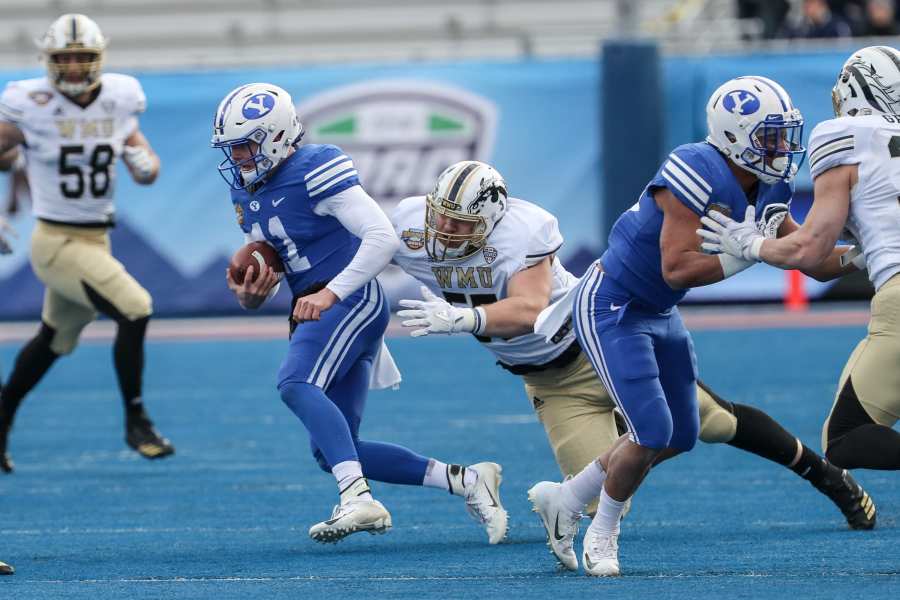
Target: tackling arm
x=811, y=248
x=831, y=268
x=528, y=293
x=683, y=265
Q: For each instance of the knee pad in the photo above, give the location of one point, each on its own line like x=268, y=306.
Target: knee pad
x=59, y=341
x=718, y=425
x=130, y=304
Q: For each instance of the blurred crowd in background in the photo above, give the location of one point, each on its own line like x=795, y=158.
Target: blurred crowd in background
x=811, y=19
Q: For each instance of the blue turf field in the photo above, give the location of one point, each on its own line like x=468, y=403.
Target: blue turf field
x=227, y=517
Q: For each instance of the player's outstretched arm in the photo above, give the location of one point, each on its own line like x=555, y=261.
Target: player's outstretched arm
x=528, y=294
x=832, y=267
x=10, y=137
x=683, y=265
x=141, y=160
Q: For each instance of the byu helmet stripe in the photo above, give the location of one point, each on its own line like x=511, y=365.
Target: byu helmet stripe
x=226, y=104
x=784, y=105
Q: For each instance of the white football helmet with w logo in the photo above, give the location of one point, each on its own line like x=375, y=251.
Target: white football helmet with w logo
x=80, y=37
x=261, y=116
x=468, y=201
x=869, y=83
x=753, y=122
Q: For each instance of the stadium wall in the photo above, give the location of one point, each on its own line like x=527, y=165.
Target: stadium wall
x=537, y=121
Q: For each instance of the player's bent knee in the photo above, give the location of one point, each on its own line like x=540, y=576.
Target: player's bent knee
x=61, y=341
x=717, y=427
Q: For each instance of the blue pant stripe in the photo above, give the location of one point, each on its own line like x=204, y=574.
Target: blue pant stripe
x=357, y=328
x=329, y=347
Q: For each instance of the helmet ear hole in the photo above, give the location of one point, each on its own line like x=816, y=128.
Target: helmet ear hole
x=731, y=137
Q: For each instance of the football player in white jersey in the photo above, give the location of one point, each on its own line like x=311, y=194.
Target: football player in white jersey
x=488, y=266
x=73, y=125
x=853, y=161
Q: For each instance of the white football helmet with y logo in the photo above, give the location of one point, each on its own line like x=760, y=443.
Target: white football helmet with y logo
x=78, y=37
x=262, y=116
x=869, y=83
x=753, y=122
x=471, y=193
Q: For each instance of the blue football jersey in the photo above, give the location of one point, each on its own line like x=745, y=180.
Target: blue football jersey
x=699, y=176
x=313, y=248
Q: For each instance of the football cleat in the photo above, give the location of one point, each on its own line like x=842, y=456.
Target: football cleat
x=6, y=569
x=601, y=554
x=483, y=501
x=6, y=463
x=850, y=497
x=142, y=436
x=560, y=523
x=351, y=517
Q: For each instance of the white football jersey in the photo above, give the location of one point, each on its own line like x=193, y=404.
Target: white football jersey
x=873, y=143
x=71, y=151
x=524, y=236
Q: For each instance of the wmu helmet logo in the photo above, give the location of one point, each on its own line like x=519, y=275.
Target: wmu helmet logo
x=401, y=134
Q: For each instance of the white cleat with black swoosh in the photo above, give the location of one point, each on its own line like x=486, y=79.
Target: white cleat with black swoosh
x=483, y=500
x=601, y=554
x=560, y=523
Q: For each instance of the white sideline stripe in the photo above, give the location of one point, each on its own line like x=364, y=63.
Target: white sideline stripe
x=275, y=328
x=703, y=183
x=331, y=184
x=331, y=172
x=320, y=168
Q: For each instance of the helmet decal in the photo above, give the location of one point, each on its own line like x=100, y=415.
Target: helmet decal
x=741, y=102
x=257, y=106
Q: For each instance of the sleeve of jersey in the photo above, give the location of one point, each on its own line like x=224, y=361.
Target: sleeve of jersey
x=688, y=178
x=137, y=103
x=332, y=172
x=12, y=107
x=545, y=242
x=831, y=144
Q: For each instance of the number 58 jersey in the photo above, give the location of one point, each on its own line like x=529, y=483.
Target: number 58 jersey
x=70, y=150
x=525, y=236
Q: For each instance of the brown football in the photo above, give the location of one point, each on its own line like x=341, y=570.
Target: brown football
x=256, y=254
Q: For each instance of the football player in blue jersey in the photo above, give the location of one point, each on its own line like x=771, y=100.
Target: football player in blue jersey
x=625, y=306
x=307, y=202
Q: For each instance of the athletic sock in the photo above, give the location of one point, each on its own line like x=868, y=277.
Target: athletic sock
x=760, y=434
x=350, y=480
x=128, y=357
x=453, y=478
x=581, y=489
x=810, y=466
x=609, y=514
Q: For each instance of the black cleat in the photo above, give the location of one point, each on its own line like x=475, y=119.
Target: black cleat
x=142, y=436
x=6, y=569
x=850, y=497
x=6, y=463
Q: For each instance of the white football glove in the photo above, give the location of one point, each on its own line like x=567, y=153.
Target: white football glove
x=139, y=159
x=770, y=220
x=724, y=234
x=436, y=315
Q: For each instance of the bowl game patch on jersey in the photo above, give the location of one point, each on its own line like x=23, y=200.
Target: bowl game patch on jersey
x=413, y=238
